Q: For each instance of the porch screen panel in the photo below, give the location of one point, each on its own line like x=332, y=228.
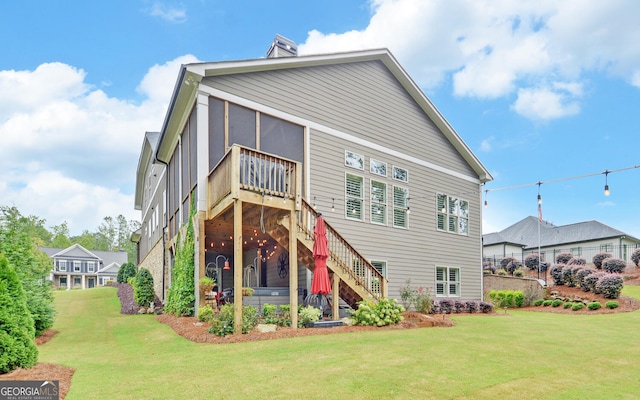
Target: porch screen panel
x=193, y=153
x=184, y=161
x=216, y=131
x=281, y=138
x=242, y=126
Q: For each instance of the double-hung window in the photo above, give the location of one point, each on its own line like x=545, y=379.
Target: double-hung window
x=62, y=265
x=91, y=266
x=354, y=186
x=453, y=214
x=447, y=282
x=77, y=266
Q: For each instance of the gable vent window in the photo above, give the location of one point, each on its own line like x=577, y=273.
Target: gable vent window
x=400, y=215
x=354, y=193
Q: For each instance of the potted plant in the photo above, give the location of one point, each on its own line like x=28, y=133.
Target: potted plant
x=247, y=291
x=206, y=284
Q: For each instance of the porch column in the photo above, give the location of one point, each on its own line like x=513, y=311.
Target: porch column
x=68, y=281
x=198, y=257
x=335, y=291
x=237, y=266
x=293, y=268
x=84, y=278
x=202, y=139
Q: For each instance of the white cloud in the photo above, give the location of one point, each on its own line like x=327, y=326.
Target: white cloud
x=494, y=49
x=69, y=150
x=485, y=145
x=168, y=13
x=547, y=103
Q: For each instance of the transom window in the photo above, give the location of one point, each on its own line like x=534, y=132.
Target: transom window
x=400, y=209
x=378, y=167
x=447, y=282
x=378, y=202
x=354, y=193
x=453, y=214
x=400, y=174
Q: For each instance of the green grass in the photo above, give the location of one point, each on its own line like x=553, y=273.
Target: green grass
x=531, y=355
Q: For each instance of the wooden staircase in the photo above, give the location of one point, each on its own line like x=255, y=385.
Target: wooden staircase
x=359, y=280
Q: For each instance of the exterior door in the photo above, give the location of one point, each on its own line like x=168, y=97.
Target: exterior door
x=91, y=282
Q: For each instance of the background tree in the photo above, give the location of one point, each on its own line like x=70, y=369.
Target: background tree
x=31, y=265
x=16, y=325
x=61, y=236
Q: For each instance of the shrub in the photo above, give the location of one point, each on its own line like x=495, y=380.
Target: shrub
x=577, y=261
x=567, y=274
x=568, y=304
x=423, y=300
x=501, y=272
x=446, y=306
x=459, y=306
x=131, y=280
x=126, y=271
x=471, y=306
x=556, y=303
x=635, y=257
x=407, y=295
x=581, y=276
x=556, y=274
x=308, y=315
x=519, y=273
x=507, y=298
x=385, y=312
x=17, y=331
x=143, y=292
x=611, y=304
x=531, y=261
x=513, y=266
x=577, y=306
x=206, y=313
x=610, y=286
x=485, y=307
x=488, y=268
x=598, y=258
x=563, y=258
x=590, y=281
x=269, y=313
x=594, y=305
x=547, y=303
x=284, y=318
x=538, y=302
x=506, y=261
x=222, y=323
x=614, y=265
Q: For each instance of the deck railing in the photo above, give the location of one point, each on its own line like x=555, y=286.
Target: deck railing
x=344, y=255
x=242, y=168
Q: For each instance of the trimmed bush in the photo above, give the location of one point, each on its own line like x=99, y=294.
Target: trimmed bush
x=577, y=261
x=17, y=331
x=143, y=292
x=556, y=303
x=459, y=306
x=590, y=281
x=269, y=313
x=556, y=274
x=506, y=261
x=488, y=267
x=598, y=258
x=563, y=258
x=581, y=276
x=614, y=265
x=531, y=261
x=611, y=304
x=577, y=306
x=594, y=305
x=547, y=303
x=485, y=307
x=518, y=273
x=568, y=304
x=206, y=313
x=445, y=306
x=567, y=276
x=507, y=298
x=384, y=312
x=471, y=306
x=126, y=271
x=310, y=314
x=538, y=302
x=610, y=286
x=501, y=272
x=635, y=257
x=513, y=266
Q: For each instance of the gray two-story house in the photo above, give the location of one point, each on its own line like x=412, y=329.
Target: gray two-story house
x=261, y=147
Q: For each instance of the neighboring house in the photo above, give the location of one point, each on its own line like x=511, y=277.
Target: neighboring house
x=78, y=268
x=583, y=239
x=260, y=147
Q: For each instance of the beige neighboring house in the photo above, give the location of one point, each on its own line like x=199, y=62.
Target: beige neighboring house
x=260, y=147
x=582, y=239
x=78, y=268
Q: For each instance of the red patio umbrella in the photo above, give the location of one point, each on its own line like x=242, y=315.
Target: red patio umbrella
x=320, y=284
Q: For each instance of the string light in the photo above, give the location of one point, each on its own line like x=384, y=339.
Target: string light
x=606, y=183
x=333, y=204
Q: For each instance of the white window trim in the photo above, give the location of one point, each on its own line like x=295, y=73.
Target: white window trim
x=393, y=174
x=348, y=197
x=447, y=214
x=62, y=267
x=91, y=266
x=77, y=266
x=447, y=282
x=373, y=161
x=378, y=203
x=356, y=156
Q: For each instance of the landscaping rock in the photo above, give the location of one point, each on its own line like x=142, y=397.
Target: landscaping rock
x=264, y=328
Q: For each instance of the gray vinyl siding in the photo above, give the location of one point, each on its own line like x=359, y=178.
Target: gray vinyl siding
x=410, y=253
x=345, y=97
x=155, y=181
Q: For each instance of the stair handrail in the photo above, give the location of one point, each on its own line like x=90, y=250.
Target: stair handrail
x=345, y=255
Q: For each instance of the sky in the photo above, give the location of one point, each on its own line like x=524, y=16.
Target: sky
x=541, y=91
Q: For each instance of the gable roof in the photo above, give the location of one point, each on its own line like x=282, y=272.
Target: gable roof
x=191, y=74
x=149, y=146
x=525, y=233
x=79, y=252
